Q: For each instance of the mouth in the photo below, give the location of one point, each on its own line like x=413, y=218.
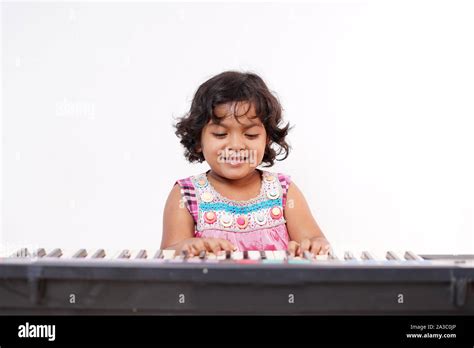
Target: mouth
x=235, y=160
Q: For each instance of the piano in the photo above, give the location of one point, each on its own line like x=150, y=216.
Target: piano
x=116, y=282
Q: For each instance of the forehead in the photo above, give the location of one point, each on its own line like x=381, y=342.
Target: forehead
x=236, y=112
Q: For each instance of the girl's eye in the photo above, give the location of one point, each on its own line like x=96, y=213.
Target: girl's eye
x=251, y=136
x=219, y=135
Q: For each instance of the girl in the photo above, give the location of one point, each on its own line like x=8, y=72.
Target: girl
x=234, y=124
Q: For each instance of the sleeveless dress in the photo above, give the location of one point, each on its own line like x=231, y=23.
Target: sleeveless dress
x=255, y=224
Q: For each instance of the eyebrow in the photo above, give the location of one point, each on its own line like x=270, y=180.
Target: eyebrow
x=244, y=126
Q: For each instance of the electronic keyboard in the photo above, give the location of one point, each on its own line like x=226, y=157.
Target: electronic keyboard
x=146, y=281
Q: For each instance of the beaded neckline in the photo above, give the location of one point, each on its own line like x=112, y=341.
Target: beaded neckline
x=235, y=202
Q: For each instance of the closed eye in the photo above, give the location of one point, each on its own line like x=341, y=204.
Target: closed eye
x=252, y=136
x=223, y=135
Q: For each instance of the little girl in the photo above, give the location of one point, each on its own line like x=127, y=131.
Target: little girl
x=234, y=124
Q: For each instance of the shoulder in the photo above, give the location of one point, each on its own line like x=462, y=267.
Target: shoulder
x=189, y=182
x=285, y=179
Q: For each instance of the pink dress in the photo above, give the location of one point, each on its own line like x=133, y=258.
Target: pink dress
x=256, y=224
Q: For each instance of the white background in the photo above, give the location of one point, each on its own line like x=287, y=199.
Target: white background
x=380, y=94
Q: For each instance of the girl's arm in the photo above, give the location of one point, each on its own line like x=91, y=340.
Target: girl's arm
x=178, y=229
x=178, y=224
x=305, y=234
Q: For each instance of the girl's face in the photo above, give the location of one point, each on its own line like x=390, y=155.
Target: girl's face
x=234, y=148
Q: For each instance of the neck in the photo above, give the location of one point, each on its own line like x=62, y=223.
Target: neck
x=242, y=182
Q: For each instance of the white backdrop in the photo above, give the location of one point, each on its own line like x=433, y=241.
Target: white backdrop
x=380, y=94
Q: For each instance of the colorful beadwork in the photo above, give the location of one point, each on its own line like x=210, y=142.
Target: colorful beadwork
x=210, y=217
x=263, y=211
x=276, y=213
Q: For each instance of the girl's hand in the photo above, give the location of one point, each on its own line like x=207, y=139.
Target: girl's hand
x=195, y=245
x=315, y=245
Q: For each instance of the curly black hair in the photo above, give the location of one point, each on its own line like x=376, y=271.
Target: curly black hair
x=233, y=86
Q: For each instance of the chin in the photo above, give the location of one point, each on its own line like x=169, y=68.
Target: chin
x=234, y=173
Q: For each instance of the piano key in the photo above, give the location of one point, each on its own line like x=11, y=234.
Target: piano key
x=22, y=253
x=124, y=254
x=98, y=254
x=211, y=256
x=55, y=253
x=168, y=254
x=40, y=252
x=299, y=260
x=279, y=254
x=158, y=254
x=391, y=255
x=141, y=254
x=269, y=255
x=332, y=255
x=202, y=255
x=228, y=255
x=263, y=255
x=183, y=255
x=246, y=255
x=81, y=253
x=237, y=255
x=308, y=255
x=322, y=257
x=254, y=254
x=410, y=255
x=366, y=256
x=348, y=255
x=221, y=256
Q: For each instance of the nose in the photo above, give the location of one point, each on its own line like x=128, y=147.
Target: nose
x=236, y=142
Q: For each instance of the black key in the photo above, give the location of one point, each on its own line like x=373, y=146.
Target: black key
x=23, y=252
x=185, y=254
x=40, y=252
x=124, y=254
x=99, y=254
x=263, y=256
x=366, y=256
x=348, y=256
x=141, y=254
x=81, y=253
x=55, y=253
x=246, y=255
x=202, y=254
x=392, y=256
x=228, y=255
x=410, y=255
x=158, y=254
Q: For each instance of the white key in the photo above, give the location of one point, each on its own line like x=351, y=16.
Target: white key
x=69, y=253
x=168, y=254
x=322, y=257
x=270, y=255
x=279, y=254
x=254, y=254
x=237, y=255
x=13, y=251
x=211, y=256
x=221, y=256
x=410, y=255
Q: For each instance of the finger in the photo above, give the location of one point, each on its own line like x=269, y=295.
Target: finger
x=292, y=246
x=316, y=247
x=226, y=245
x=325, y=249
x=198, y=246
x=213, y=245
x=189, y=249
x=304, y=246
